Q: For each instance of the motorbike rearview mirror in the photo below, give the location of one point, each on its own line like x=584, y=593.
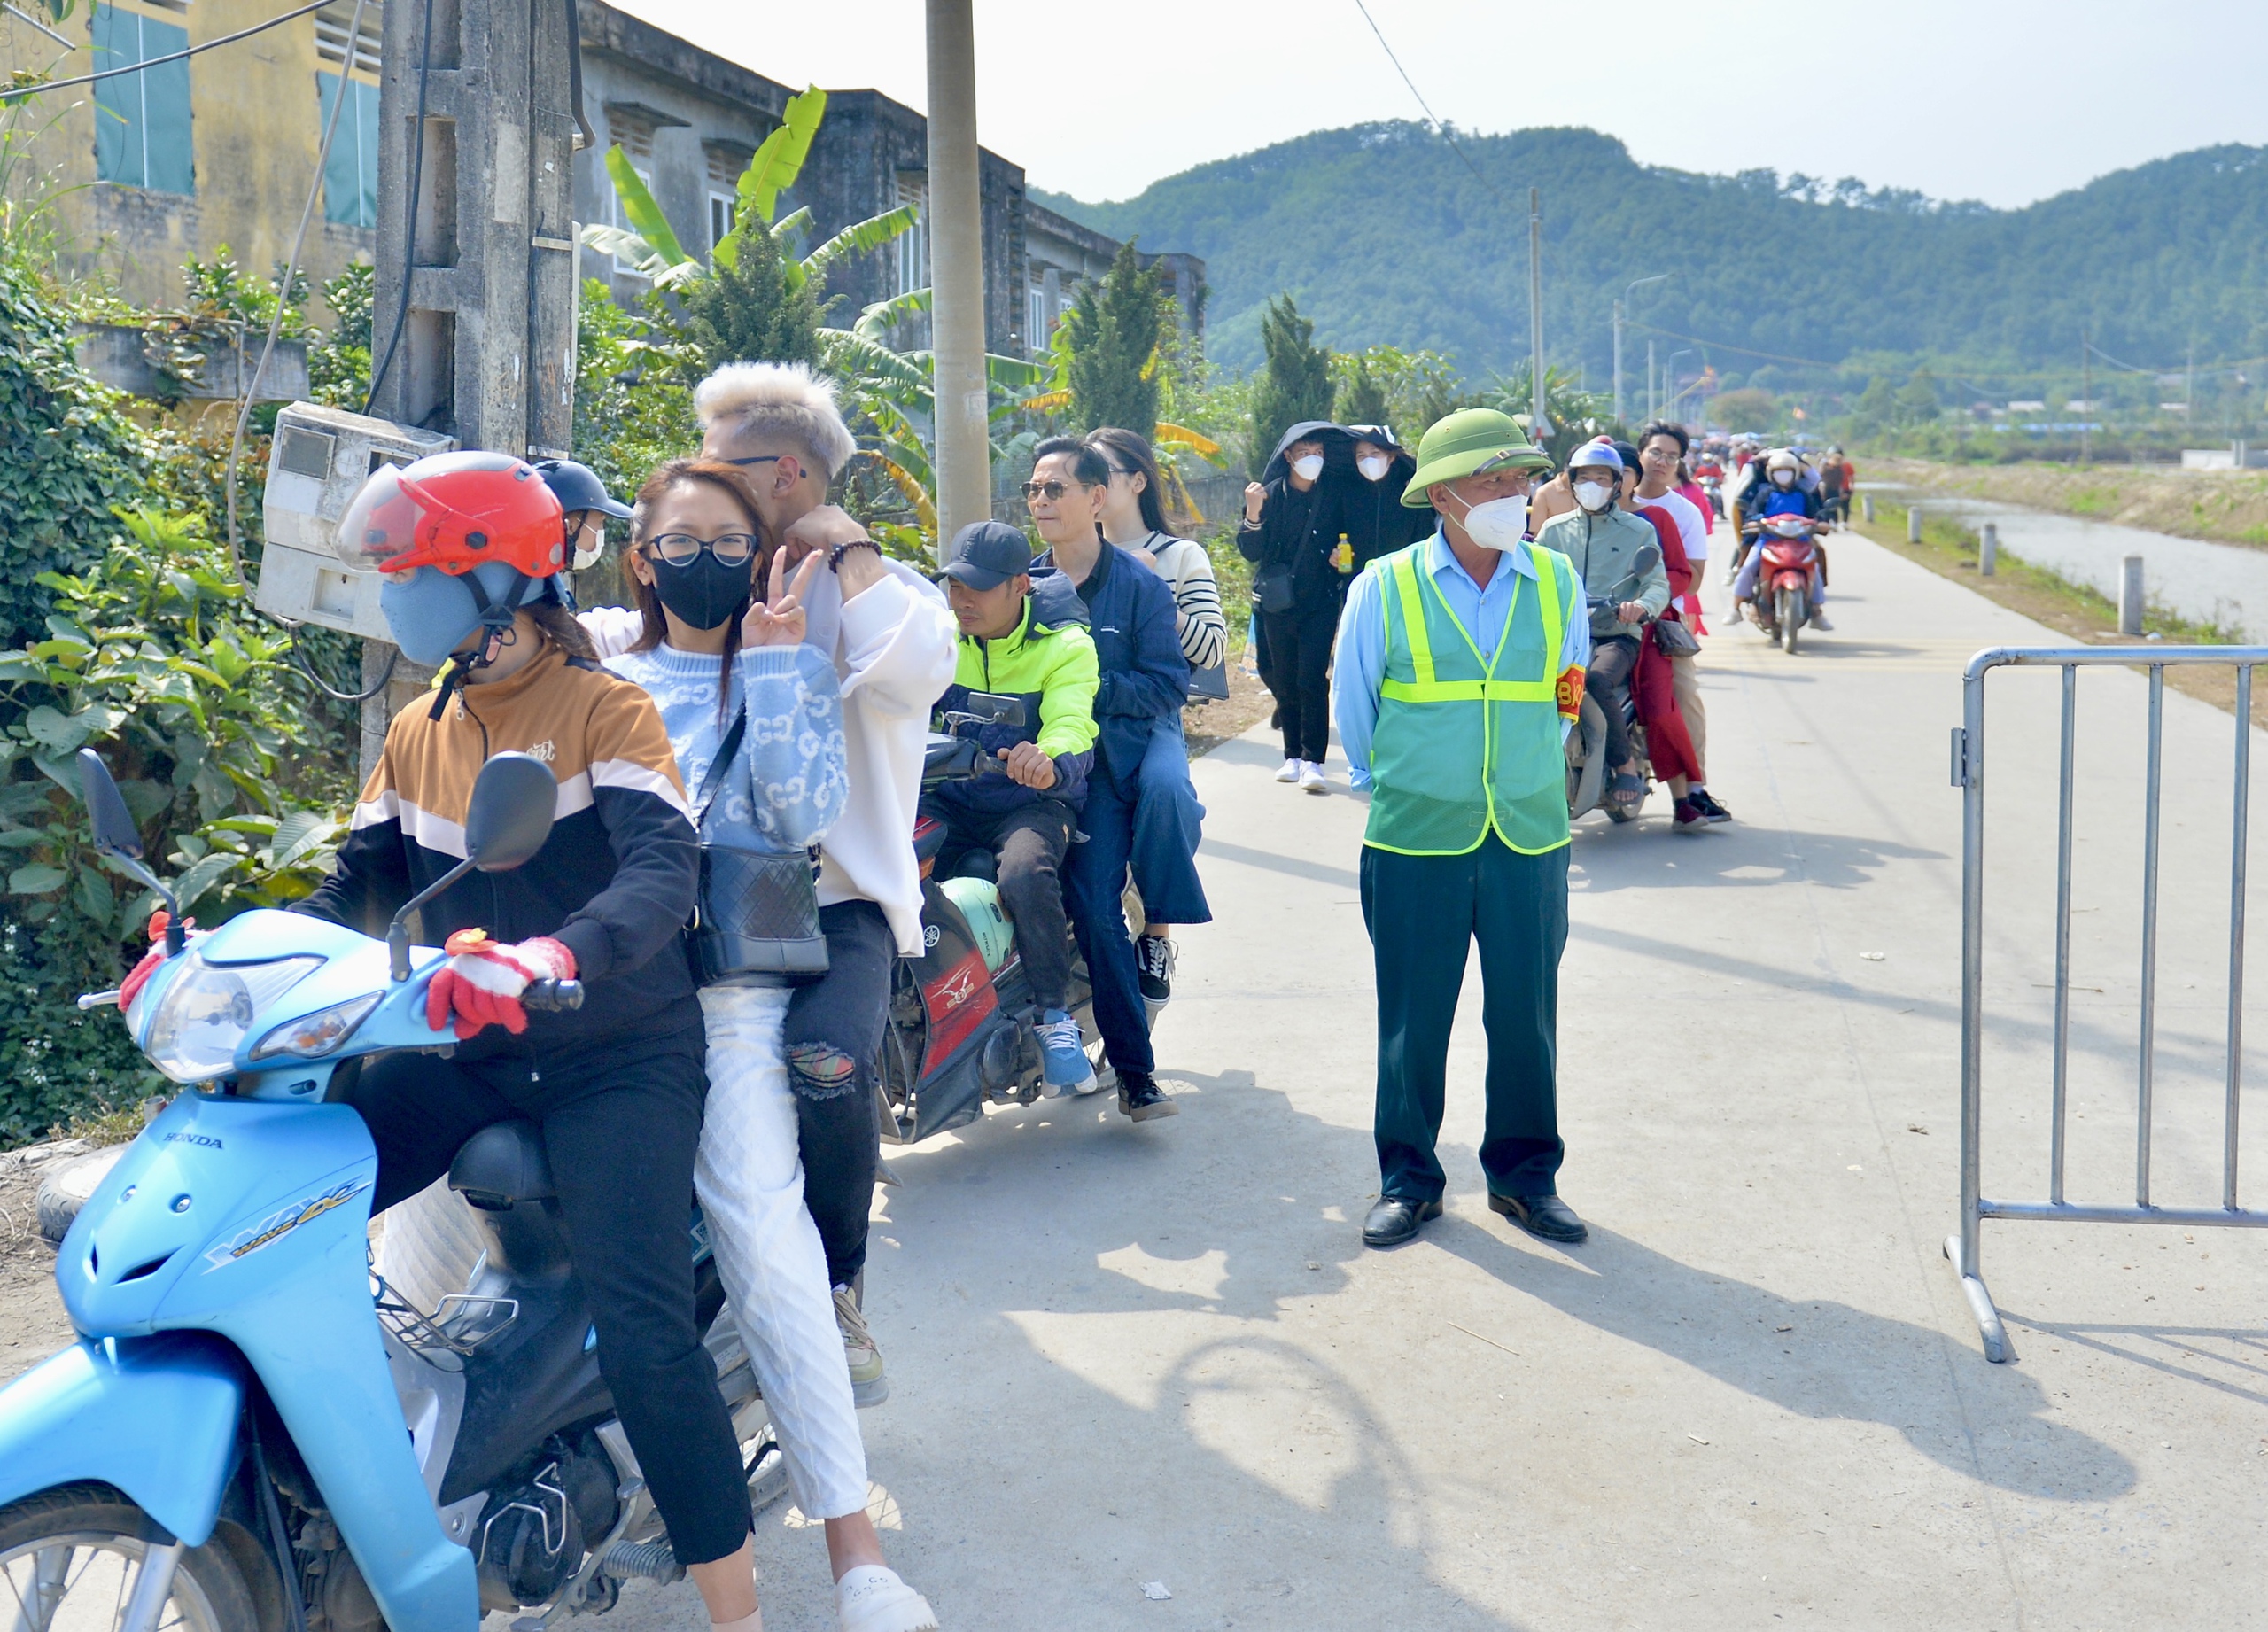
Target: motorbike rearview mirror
x=118, y=837
x=1649, y=557
x=509, y=817
x=995, y=708
x=514, y=799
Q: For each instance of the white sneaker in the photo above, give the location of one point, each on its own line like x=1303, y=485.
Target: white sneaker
x=1311, y=778
x=1290, y=773
x=1819, y=620
x=871, y=1598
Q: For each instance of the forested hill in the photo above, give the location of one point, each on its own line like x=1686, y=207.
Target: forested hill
x=1384, y=236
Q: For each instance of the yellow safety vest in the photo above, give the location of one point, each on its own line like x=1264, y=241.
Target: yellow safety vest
x=1465, y=747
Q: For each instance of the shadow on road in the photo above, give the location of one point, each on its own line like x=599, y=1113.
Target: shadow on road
x=1817, y=1358
x=1652, y=858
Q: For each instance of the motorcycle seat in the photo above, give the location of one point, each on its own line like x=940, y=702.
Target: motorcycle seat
x=501, y=1166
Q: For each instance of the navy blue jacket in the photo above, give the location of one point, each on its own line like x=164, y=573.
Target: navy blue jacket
x=1138, y=646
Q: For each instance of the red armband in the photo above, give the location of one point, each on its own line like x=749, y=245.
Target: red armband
x=1571, y=692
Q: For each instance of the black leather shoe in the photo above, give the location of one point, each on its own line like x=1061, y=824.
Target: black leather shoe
x=1395, y=1220
x=1141, y=1099
x=1545, y=1215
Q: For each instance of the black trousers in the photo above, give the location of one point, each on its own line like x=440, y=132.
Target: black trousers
x=1614, y=659
x=620, y=1132
x=834, y=1038
x=1422, y=912
x=1030, y=841
x=1299, y=673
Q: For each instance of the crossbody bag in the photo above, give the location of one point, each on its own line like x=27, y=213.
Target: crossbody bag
x=756, y=915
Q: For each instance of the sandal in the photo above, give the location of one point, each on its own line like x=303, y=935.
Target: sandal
x=1627, y=789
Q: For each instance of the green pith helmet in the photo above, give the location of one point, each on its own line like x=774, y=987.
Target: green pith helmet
x=1468, y=440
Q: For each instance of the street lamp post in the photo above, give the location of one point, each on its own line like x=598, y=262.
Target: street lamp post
x=1635, y=284
x=1670, y=392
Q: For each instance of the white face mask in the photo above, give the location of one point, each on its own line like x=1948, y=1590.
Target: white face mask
x=1307, y=467
x=1499, y=524
x=1593, y=495
x=1785, y=478
x=1374, y=466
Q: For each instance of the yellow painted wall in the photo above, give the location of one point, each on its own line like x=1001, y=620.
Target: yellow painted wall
x=256, y=125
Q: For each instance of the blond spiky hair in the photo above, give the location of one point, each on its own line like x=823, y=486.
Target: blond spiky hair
x=782, y=400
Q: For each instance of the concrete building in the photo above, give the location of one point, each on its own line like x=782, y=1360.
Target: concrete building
x=218, y=149
x=183, y=158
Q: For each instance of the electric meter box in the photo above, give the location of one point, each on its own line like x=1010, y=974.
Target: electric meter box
x=318, y=461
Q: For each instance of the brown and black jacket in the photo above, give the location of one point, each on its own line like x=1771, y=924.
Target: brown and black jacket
x=614, y=881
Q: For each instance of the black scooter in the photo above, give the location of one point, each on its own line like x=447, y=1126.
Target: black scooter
x=959, y=1034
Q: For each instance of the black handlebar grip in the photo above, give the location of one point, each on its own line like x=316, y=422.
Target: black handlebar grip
x=548, y=996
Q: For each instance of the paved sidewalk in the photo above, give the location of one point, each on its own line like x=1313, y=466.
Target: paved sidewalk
x=1128, y=1354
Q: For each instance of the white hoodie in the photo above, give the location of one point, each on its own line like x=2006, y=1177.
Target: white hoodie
x=893, y=647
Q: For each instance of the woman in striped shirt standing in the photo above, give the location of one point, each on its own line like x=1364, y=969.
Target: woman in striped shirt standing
x=1168, y=821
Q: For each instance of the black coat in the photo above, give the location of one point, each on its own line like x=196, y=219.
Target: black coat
x=1373, y=513
x=1300, y=530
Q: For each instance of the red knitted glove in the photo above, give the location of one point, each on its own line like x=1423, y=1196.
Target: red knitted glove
x=481, y=983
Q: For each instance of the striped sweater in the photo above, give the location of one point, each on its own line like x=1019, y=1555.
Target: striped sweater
x=1188, y=572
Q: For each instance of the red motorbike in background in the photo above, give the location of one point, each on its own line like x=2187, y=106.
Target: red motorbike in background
x=1780, y=601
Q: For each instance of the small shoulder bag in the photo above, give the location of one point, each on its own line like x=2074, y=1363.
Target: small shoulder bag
x=755, y=916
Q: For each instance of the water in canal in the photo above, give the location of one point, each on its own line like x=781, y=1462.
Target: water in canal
x=2222, y=584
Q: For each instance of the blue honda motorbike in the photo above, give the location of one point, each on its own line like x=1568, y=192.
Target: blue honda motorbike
x=253, y=1430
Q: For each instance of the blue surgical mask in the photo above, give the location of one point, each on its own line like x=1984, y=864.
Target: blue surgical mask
x=432, y=614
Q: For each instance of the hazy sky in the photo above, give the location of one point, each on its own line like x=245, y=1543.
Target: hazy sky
x=2004, y=100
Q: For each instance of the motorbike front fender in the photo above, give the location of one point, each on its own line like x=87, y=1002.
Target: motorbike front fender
x=154, y=1416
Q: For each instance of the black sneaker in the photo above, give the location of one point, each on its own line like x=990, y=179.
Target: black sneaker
x=1709, y=807
x=1141, y=1099
x=1153, y=956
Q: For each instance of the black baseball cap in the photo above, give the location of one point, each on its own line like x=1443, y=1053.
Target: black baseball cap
x=578, y=487
x=987, y=553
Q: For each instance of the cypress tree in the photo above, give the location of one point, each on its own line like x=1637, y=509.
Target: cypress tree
x=1114, y=329
x=1362, y=400
x=1296, y=386
x=747, y=312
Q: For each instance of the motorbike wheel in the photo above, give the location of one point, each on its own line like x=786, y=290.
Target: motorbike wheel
x=1616, y=814
x=1791, y=616
x=71, y=1556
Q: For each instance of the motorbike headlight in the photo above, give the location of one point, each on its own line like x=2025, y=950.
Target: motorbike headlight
x=310, y=1037
x=207, y=1008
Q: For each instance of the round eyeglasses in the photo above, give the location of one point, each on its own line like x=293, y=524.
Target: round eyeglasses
x=682, y=549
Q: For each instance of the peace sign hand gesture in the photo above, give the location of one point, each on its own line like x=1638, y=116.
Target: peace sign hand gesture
x=779, y=619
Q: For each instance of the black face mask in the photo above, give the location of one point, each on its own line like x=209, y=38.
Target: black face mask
x=704, y=591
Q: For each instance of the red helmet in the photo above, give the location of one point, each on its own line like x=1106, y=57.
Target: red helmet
x=454, y=511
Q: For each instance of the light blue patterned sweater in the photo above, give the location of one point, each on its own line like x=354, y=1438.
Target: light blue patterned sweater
x=788, y=782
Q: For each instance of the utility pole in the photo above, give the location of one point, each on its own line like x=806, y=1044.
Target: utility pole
x=475, y=288
x=1653, y=395
x=956, y=273
x=1618, y=362
x=2086, y=388
x=1538, y=426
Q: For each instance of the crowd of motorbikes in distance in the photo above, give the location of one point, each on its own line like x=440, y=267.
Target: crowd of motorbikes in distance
x=1779, y=605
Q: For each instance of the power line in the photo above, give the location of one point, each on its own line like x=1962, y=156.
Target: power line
x=1440, y=129
x=16, y=93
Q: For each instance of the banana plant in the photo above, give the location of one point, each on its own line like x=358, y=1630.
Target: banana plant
x=651, y=247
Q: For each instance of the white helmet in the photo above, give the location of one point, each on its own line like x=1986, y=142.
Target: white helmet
x=1783, y=459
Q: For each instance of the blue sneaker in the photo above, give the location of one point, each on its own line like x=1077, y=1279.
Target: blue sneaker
x=1063, y=1065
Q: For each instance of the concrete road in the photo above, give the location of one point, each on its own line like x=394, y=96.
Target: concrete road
x=1161, y=1354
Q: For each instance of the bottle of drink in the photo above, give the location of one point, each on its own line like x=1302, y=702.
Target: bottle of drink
x=1343, y=557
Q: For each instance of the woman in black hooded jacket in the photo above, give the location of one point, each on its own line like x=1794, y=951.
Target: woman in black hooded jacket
x=1369, y=506
x=1292, y=523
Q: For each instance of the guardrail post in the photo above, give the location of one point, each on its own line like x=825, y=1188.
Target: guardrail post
x=1914, y=525
x=1988, y=550
x=2130, y=595
x=1867, y=508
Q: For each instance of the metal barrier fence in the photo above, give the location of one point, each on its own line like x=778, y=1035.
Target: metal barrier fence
x=1969, y=775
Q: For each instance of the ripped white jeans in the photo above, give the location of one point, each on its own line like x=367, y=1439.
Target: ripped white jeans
x=750, y=1182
